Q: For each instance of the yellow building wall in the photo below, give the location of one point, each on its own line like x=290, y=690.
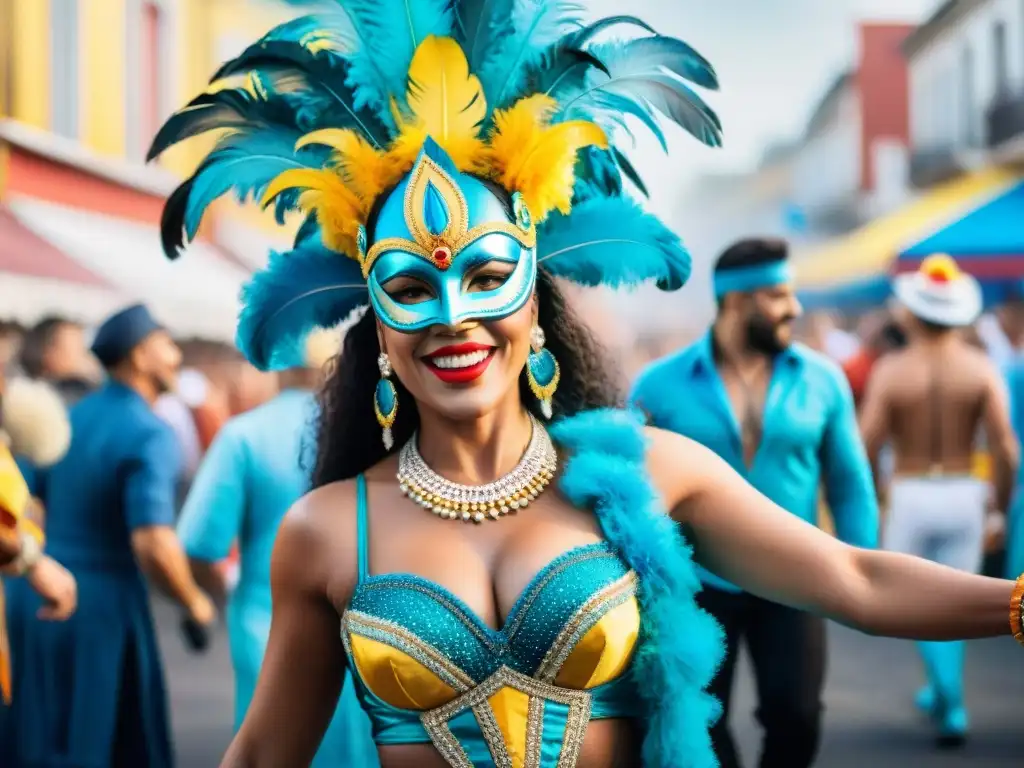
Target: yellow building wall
x=103, y=118
x=202, y=27
x=31, y=63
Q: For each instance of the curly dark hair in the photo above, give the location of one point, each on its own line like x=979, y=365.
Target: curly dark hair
x=349, y=438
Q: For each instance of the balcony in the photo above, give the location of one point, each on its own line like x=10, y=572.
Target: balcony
x=1005, y=120
x=933, y=165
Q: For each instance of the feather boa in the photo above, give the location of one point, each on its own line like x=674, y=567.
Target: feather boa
x=681, y=645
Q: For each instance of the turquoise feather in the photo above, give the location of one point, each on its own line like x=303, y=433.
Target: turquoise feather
x=681, y=646
x=613, y=242
x=309, y=287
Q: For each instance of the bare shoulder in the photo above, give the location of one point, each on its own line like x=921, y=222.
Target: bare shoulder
x=675, y=464
x=316, y=542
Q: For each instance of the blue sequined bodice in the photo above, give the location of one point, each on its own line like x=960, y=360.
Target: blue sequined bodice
x=430, y=670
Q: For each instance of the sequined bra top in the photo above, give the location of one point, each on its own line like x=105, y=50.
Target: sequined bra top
x=429, y=670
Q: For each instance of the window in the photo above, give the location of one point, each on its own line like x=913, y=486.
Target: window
x=151, y=71
x=64, y=71
x=967, y=114
x=1000, y=53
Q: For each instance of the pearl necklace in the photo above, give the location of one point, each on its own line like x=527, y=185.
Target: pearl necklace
x=476, y=503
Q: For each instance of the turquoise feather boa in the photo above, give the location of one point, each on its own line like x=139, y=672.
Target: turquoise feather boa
x=681, y=645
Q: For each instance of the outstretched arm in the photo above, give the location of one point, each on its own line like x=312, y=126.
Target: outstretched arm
x=745, y=538
x=304, y=666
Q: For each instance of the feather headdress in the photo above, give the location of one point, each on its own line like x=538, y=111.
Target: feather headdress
x=329, y=111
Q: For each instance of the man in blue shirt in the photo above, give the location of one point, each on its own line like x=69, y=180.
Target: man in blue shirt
x=90, y=691
x=783, y=417
x=256, y=469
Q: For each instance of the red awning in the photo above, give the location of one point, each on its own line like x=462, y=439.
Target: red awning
x=22, y=252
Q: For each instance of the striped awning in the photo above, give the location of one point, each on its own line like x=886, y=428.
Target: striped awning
x=869, y=254
x=85, y=265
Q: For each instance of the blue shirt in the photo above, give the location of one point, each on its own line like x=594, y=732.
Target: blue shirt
x=120, y=473
x=809, y=435
x=256, y=468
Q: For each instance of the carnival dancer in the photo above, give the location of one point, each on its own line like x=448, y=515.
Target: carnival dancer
x=782, y=416
x=34, y=427
x=258, y=466
x=455, y=162
x=90, y=691
x=930, y=400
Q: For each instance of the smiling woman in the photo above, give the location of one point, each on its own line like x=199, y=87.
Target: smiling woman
x=452, y=159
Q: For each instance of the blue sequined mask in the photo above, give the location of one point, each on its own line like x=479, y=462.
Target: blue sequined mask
x=438, y=226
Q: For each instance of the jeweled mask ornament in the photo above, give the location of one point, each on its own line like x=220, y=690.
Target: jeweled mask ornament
x=438, y=226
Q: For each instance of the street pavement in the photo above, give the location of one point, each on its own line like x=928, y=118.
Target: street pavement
x=870, y=722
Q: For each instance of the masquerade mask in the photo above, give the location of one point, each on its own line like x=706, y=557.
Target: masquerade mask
x=437, y=228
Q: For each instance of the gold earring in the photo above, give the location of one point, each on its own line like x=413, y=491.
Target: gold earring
x=385, y=401
x=542, y=372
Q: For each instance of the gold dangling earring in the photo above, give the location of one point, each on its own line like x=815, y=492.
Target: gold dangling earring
x=542, y=371
x=385, y=401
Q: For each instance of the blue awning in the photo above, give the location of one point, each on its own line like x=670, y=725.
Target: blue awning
x=988, y=242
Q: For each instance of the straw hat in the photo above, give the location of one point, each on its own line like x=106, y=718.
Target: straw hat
x=939, y=292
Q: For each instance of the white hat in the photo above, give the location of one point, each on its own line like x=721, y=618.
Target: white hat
x=940, y=293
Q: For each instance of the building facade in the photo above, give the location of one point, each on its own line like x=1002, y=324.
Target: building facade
x=84, y=86
x=852, y=161
x=966, y=67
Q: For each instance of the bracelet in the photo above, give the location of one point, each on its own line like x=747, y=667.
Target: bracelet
x=31, y=553
x=1016, y=608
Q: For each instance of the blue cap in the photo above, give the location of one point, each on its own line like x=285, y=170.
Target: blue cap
x=121, y=333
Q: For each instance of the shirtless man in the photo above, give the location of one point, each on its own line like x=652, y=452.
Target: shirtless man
x=929, y=401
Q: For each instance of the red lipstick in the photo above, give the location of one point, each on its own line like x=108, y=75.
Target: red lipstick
x=459, y=375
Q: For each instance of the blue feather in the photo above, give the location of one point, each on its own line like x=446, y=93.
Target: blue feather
x=334, y=29
x=675, y=56
x=596, y=175
x=680, y=645
x=536, y=25
x=316, y=88
x=246, y=164
x=233, y=108
x=390, y=31
x=634, y=78
x=307, y=288
x=614, y=242
x=480, y=26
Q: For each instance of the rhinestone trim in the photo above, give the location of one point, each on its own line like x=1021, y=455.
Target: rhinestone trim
x=436, y=720
x=612, y=596
x=476, y=503
x=389, y=633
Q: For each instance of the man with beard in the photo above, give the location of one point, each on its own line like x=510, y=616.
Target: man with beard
x=783, y=417
x=929, y=401
x=91, y=690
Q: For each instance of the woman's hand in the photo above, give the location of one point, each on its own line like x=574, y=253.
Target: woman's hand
x=743, y=537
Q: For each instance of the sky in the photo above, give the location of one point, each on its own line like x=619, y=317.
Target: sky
x=775, y=59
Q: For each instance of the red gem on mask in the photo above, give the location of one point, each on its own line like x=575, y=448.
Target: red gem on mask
x=442, y=256
x=938, y=276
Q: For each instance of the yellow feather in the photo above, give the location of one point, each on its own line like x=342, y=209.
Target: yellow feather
x=537, y=160
x=445, y=102
x=443, y=96
x=366, y=170
x=338, y=209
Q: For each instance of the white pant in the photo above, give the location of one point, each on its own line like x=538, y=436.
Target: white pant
x=941, y=519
